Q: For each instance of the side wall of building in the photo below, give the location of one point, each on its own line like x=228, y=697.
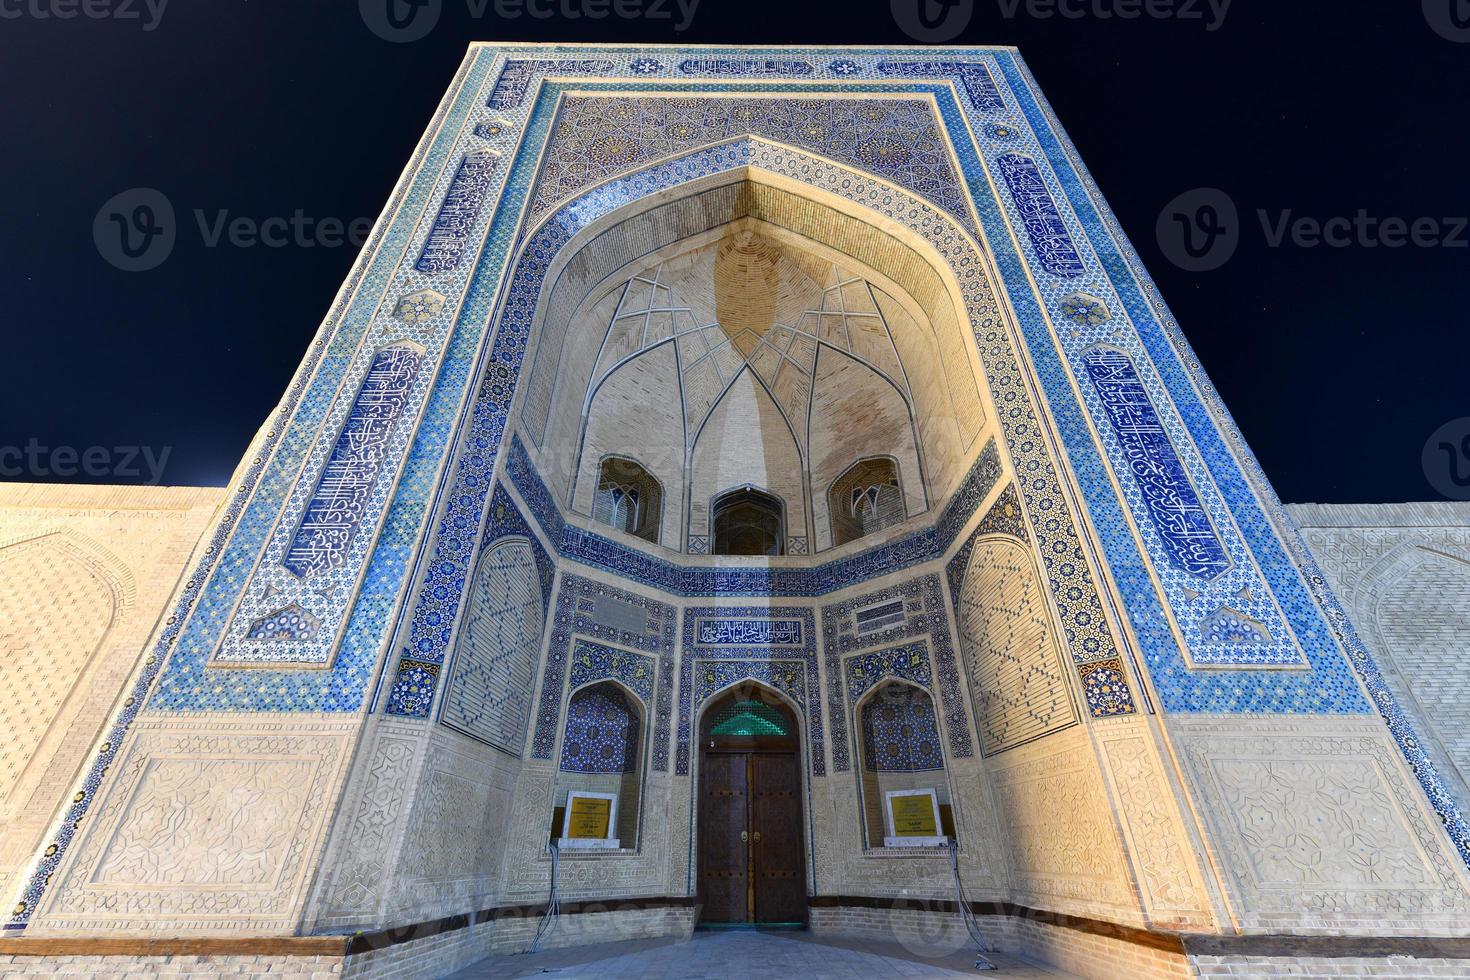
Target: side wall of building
x=1402, y=572
x=84, y=574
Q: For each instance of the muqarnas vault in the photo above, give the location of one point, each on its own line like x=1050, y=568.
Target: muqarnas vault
x=792, y=426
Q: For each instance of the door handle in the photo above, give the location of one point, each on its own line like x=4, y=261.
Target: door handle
x=757, y=836
x=744, y=837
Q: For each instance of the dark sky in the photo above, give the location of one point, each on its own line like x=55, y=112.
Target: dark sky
x=1338, y=363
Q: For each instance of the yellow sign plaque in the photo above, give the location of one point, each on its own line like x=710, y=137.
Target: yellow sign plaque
x=913, y=816
x=589, y=817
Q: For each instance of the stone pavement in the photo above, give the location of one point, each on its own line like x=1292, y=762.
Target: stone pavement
x=732, y=954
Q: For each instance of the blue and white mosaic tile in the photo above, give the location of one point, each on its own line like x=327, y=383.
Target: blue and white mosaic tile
x=899, y=731
x=642, y=624
x=923, y=615
x=707, y=669
x=501, y=104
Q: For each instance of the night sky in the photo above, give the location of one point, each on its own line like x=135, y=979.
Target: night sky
x=1337, y=362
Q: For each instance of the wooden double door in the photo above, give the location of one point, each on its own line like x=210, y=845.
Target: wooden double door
x=751, y=858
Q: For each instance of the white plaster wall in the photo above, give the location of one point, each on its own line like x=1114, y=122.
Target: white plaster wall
x=1402, y=571
x=85, y=572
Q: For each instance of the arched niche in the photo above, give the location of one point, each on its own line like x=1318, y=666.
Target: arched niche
x=498, y=648
x=652, y=319
x=603, y=741
x=899, y=748
x=1018, y=682
x=866, y=498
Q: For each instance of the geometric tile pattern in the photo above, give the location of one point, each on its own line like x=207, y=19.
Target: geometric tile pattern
x=189, y=634
x=897, y=139
x=488, y=695
x=414, y=684
x=335, y=510
x=178, y=675
x=706, y=669
x=1220, y=467
x=348, y=490
x=1017, y=681
x=592, y=549
x=582, y=614
x=899, y=731
x=602, y=732
x=923, y=616
x=1003, y=517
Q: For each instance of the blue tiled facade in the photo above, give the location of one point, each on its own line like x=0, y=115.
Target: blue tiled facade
x=454, y=225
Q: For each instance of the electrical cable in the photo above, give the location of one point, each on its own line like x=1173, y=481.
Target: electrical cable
x=971, y=926
x=548, y=919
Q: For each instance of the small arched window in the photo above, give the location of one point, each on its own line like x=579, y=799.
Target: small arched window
x=865, y=499
x=628, y=498
x=748, y=522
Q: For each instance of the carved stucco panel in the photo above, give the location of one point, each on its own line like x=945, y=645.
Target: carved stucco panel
x=609, y=875
x=1164, y=860
x=367, y=839
x=1316, y=822
x=208, y=826
x=1059, y=827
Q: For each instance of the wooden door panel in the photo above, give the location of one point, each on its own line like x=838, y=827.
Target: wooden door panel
x=723, y=812
x=780, y=861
